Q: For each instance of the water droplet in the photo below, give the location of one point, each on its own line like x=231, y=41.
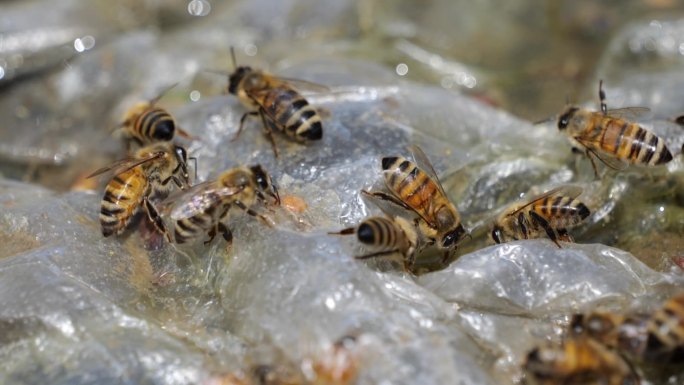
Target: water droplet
x=199, y=7
x=402, y=69
x=84, y=43
x=195, y=95
x=2, y=72
x=251, y=49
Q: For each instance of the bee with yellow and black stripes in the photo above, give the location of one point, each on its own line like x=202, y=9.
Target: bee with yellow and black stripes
x=277, y=103
x=609, y=137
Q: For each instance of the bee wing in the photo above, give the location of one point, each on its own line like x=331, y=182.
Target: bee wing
x=185, y=204
x=628, y=112
x=303, y=84
x=125, y=164
x=615, y=164
x=424, y=163
x=566, y=191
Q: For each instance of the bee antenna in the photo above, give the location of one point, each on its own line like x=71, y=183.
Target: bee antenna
x=232, y=55
x=549, y=119
x=162, y=93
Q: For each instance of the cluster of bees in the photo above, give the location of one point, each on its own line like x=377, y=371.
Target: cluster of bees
x=418, y=214
x=602, y=347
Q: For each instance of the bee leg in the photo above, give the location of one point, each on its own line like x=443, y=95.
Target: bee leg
x=387, y=197
x=226, y=233
x=155, y=218
x=564, y=236
x=593, y=163
x=269, y=133
x=253, y=213
x=347, y=231
x=242, y=123
x=602, y=98
x=211, y=234
x=545, y=225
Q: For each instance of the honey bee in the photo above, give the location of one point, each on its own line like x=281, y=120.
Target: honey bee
x=611, y=138
x=337, y=366
x=551, y=213
x=578, y=361
x=418, y=190
x=138, y=179
x=205, y=207
x=656, y=338
x=145, y=123
x=276, y=102
x=388, y=236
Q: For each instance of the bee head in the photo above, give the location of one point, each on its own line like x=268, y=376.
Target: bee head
x=236, y=77
x=264, y=182
x=564, y=118
x=452, y=237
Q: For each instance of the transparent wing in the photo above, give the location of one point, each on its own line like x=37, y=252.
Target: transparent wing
x=126, y=164
x=303, y=84
x=424, y=164
x=630, y=113
x=614, y=163
x=197, y=199
x=566, y=191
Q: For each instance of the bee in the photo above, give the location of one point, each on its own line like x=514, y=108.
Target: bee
x=418, y=190
x=145, y=123
x=578, y=361
x=609, y=137
x=656, y=338
x=136, y=180
x=205, y=207
x=276, y=102
x=551, y=213
x=389, y=236
x=336, y=366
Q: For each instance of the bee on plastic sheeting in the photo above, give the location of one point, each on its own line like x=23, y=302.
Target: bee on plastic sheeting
x=550, y=214
x=335, y=366
x=135, y=180
x=609, y=137
x=389, y=236
x=145, y=123
x=577, y=361
x=277, y=103
x=205, y=207
x=416, y=188
x=656, y=338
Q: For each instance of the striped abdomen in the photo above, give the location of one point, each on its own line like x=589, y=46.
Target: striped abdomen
x=380, y=233
x=153, y=125
x=561, y=211
x=190, y=228
x=291, y=114
x=665, y=341
x=413, y=186
x=122, y=199
x=632, y=143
